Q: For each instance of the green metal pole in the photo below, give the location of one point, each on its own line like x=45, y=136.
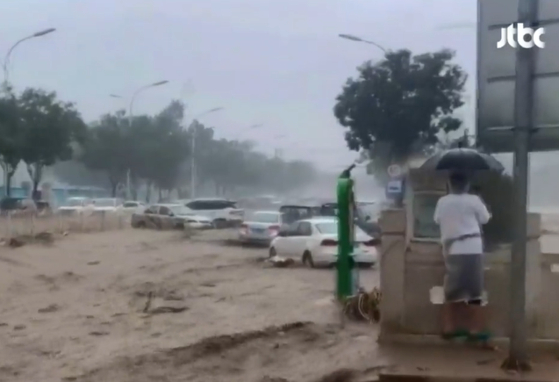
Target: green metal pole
x=345, y=236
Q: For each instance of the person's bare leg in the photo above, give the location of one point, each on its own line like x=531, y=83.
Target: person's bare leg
x=447, y=317
x=476, y=318
x=478, y=328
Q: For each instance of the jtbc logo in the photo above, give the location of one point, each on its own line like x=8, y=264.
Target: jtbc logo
x=508, y=37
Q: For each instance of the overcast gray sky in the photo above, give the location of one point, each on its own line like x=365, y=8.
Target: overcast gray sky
x=275, y=62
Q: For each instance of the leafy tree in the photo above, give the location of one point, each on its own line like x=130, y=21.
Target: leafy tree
x=204, y=154
x=234, y=166
x=397, y=107
x=222, y=162
x=50, y=128
x=106, y=148
x=163, y=146
x=300, y=173
x=149, y=148
x=76, y=173
x=10, y=138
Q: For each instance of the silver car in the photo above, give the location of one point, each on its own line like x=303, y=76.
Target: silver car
x=261, y=228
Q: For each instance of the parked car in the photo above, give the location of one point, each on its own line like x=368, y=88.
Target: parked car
x=315, y=242
x=367, y=217
x=133, y=206
x=75, y=204
x=295, y=212
x=363, y=216
x=222, y=212
x=261, y=228
x=21, y=204
x=106, y=204
x=12, y=204
x=264, y=202
x=163, y=216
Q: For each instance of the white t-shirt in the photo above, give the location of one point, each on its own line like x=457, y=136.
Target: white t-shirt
x=458, y=215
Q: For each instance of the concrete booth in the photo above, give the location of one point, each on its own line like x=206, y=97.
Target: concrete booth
x=412, y=271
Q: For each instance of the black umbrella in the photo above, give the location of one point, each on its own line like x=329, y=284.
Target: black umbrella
x=462, y=159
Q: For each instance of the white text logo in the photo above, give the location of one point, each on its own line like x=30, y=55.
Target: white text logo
x=515, y=35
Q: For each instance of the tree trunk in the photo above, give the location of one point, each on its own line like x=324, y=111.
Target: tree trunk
x=35, y=192
x=160, y=195
x=35, y=171
x=114, y=185
x=10, y=174
x=149, y=185
x=8, y=185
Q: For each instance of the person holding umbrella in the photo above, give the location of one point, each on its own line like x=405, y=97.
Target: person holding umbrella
x=460, y=216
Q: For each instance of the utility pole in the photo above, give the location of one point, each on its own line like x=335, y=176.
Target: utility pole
x=523, y=128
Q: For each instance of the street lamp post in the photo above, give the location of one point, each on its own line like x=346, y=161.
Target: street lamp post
x=137, y=92
x=5, y=65
x=6, y=84
x=359, y=39
x=193, y=150
x=131, y=118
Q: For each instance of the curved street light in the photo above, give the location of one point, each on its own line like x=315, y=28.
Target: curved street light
x=207, y=112
x=248, y=128
x=136, y=93
x=359, y=39
x=5, y=67
x=6, y=61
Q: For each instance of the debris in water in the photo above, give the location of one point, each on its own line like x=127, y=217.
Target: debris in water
x=49, y=309
x=96, y=333
x=281, y=262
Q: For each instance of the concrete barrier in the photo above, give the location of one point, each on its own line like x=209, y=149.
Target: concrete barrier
x=412, y=269
x=30, y=222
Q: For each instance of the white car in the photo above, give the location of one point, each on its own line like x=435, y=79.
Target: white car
x=197, y=221
x=75, y=204
x=106, y=204
x=261, y=228
x=221, y=212
x=315, y=242
x=132, y=206
x=168, y=215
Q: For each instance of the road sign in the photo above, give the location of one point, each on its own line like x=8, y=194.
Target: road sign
x=394, y=171
x=496, y=76
x=394, y=188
